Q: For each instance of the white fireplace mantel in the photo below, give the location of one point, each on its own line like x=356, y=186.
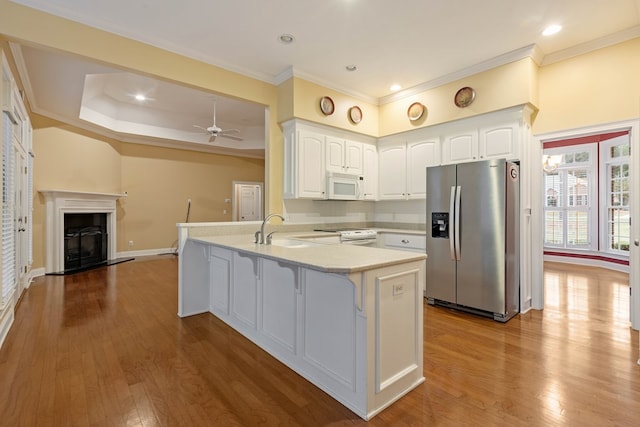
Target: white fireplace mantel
x=60, y=202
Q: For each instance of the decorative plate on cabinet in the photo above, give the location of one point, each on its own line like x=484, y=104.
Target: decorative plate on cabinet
x=464, y=97
x=415, y=111
x=326, y=105
x=355, y=114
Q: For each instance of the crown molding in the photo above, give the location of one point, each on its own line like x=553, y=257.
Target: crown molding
x=290, y=72
x=602, y=42
x=530, y=51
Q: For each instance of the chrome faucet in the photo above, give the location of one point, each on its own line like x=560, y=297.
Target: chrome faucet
x=260, y=233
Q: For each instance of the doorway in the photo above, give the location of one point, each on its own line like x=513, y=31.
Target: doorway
x=247, y=201
x=593, y=257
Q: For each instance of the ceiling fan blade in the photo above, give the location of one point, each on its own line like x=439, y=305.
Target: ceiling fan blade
x=237, y=138
x=200, y=127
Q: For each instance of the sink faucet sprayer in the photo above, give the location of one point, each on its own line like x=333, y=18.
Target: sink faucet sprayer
x=260, y=233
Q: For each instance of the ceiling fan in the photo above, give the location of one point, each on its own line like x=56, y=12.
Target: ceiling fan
x=214, y=131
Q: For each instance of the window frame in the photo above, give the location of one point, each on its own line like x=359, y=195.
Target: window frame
x=604, y=163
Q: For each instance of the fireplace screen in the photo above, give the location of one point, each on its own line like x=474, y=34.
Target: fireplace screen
x=85, y=240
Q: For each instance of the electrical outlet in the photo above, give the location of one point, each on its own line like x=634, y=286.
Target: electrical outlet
x=130, y=243
x=398, y=289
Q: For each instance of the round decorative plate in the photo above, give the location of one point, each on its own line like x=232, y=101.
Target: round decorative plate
x=464, y=97
x=326, y=105
x=415, y=111
x=355, y=114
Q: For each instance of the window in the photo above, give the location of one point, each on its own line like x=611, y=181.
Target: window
x=570, y=186
x=586, y=193
x=614, y=172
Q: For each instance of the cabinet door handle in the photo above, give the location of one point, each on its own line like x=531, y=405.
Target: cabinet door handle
x=404, y=241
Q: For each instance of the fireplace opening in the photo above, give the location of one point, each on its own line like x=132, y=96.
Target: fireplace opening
x=85, y=241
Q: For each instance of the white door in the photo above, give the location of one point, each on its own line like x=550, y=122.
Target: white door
x=248, y=202
x=20, y=218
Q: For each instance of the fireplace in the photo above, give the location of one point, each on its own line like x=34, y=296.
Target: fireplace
x=85, y=240
x=72, y=242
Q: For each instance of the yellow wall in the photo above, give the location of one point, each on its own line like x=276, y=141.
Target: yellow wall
x=158, y=182
x=306, y=105
x=502, y=87
x=598, y=87
x=30, y=26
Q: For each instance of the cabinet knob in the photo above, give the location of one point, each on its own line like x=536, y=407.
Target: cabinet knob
x=404, y=241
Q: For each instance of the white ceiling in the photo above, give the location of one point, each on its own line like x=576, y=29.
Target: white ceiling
x=413, y=43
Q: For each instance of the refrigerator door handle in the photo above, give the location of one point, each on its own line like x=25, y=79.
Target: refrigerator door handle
x=456, y=227
x=452, y=229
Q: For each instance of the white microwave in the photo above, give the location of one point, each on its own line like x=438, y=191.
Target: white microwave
x=344, y=186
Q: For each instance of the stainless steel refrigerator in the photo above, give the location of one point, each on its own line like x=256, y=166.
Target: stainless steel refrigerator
x=473, y=259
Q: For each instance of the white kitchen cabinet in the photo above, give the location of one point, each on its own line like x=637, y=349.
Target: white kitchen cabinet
x=404, y=242
x=311, y=151
x=278, y=300
x=339, y=330
x=500, y=142
x=244, y=289
x=402, y=170
x=304, y=164
x=460, y=147
x=370, y=171
x=220, y=262
x=392, y=173
x=420, y=155
x=492, y=141
x=343, y=156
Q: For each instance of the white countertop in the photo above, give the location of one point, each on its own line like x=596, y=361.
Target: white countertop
x=330, y=258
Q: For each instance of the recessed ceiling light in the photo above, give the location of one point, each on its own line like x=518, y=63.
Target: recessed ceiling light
x=351, y=67
x=286, y=38
x=395, y=88
x=552, y=29
x=140, y=97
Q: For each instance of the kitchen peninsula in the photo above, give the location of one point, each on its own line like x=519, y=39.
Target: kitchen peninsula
x=347, y=318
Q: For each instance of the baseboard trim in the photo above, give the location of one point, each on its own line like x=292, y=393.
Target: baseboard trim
x=146, y=252
x=591, y=262
x=6, y=320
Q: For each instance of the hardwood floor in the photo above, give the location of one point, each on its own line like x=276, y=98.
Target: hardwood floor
x=105, y=347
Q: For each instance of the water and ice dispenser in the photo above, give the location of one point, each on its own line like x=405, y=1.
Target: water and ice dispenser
x=440, y=225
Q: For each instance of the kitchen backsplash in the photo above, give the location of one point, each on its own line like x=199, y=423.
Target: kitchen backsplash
x=327, y=212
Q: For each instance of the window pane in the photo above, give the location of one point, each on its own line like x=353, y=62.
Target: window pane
x=553, y=228
x=618, y=229
x=621, y=150
x=578, y=187
x=552, y=189
x=581, y=157
x=577, y=228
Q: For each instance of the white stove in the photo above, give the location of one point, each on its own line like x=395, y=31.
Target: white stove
x=358, y=237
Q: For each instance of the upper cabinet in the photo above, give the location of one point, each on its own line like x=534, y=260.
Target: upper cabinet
x=403, y=165
x=491, y=136
x=304, y=168
x=500, y=141
x=343, y=156
x=395, y=169
x=370, y=171
x=311, y=151
x=460, y=147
